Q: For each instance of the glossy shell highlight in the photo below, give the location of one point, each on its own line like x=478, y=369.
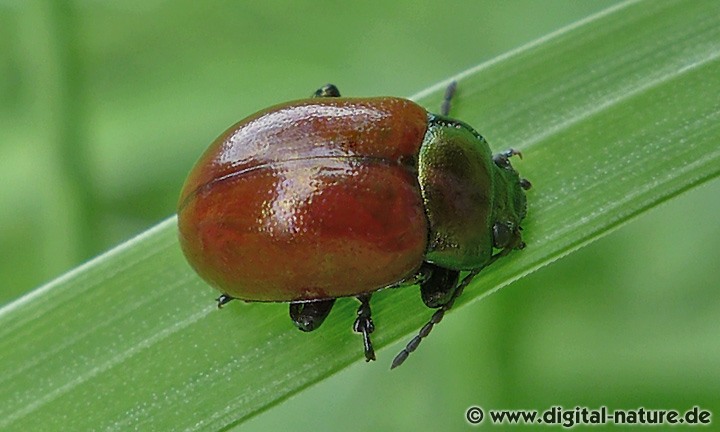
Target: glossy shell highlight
x=312, y=199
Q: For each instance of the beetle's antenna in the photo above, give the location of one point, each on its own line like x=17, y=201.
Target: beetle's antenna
x=440, y=313
x=449, y=93
x=436, y=318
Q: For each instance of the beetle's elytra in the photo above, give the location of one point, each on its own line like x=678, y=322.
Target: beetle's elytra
x=329, y=197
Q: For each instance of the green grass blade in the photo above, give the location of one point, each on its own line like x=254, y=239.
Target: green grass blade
x=614, y=115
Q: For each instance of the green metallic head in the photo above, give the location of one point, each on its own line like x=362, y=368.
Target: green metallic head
x=474, y=201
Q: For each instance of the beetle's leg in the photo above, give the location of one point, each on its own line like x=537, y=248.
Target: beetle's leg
x=437, y=289
x=440, y=313
x=308, y=316
x=436, y=318
x=223, y=300
x=447, y=98
x=502, y=159
x=328, y=90
x=364, y=324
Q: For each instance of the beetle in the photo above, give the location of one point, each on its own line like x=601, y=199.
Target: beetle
x=327, y=197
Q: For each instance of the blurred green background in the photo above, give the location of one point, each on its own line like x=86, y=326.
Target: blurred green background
x=104, y=107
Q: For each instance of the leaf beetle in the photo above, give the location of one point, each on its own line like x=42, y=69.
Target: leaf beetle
x=330, y=197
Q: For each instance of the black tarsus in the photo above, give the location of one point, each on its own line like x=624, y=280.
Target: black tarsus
x=364, y=324
x=223, y=300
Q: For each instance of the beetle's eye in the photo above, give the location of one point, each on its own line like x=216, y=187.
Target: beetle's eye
x=501, y=234
x=525, y=184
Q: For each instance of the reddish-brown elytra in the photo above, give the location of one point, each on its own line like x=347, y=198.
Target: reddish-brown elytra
x=329, y=197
